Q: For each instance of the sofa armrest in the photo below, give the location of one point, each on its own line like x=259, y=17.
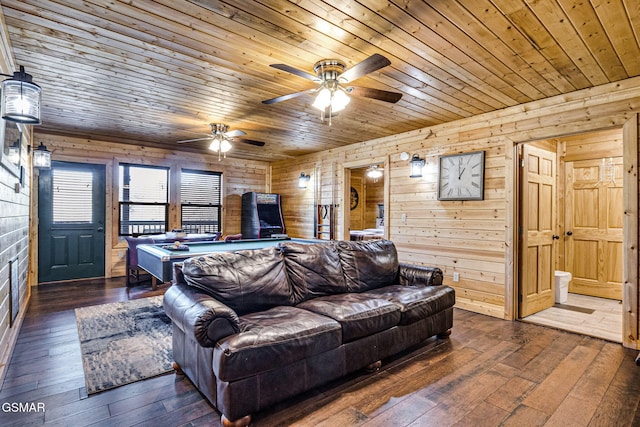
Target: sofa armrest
x=416, y=275
x=200, y=315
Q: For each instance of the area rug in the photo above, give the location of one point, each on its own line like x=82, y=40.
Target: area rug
x=124, y=342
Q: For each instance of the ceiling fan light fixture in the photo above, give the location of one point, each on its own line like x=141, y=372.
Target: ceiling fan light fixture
x=339, y=100
x=323, y=100
x=374, y=172
x=225, y=145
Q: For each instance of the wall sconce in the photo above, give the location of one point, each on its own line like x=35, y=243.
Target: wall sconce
x=21, y=98
x=416, y=166
x=14, y=152
x=42, y=157
x=303, y=180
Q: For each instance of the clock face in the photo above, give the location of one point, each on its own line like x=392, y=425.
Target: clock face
x=461, y=176
x=354, y=198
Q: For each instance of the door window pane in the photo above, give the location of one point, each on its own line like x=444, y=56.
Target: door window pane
x=72, y=196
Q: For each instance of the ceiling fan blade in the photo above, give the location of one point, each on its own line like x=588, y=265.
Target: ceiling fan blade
x=286, y=97
x=369, y=65
x=193, y=140
x=300, y=73
x=252, y=142
x=234, y=133
x=378, y=94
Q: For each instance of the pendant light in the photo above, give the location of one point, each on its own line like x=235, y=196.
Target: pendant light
x=21, y=98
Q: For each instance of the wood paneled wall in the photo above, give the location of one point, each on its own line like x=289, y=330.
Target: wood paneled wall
x=474, y=238
x=238, y=177
x=14, y=232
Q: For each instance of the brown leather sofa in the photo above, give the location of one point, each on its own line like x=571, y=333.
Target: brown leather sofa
x=254, y=327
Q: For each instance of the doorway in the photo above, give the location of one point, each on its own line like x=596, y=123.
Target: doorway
x=578, y=231
x=71, y=222
x=366, y=192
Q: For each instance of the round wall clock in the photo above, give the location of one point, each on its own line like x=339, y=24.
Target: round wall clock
x=461, y=176
x=355, y=198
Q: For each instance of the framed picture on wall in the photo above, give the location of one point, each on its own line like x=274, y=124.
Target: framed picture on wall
x=11, y=148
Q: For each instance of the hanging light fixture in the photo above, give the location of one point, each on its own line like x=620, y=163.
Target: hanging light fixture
x=303, y=180
x=220, y=143
x=331, y=96
x=42, y=157
x=374, y=172
x=21, y=98
x=416, y=166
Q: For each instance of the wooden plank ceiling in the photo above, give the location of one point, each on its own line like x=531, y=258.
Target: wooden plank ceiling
x=155, y=72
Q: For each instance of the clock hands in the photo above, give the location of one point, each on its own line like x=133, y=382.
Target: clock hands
x=461, y=172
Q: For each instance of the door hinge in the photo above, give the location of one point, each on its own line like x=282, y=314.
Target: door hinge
x=519, y=297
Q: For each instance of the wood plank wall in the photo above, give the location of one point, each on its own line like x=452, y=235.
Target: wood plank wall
x=238, y=177
x=474, y=238
x=14, y=229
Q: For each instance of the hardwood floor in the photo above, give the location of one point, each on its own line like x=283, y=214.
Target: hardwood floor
x=489, y=373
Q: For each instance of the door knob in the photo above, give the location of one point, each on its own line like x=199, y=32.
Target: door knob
x=100, y=229
x=555, y=237
x=569, y=233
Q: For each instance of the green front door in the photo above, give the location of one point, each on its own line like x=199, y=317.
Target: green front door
x=71, y=216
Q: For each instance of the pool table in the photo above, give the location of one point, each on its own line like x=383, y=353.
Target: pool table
x=158, y=259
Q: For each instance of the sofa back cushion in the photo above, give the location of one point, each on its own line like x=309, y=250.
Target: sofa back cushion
x=246, y=280
x=313, y=269
x=368, y=264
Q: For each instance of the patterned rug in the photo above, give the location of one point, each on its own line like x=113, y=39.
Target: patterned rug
x=124, y=342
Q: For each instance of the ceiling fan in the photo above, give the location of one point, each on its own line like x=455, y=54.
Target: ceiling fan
x=221, y=138
x=333, y=77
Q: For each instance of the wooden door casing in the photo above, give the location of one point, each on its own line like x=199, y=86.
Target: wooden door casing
x=538, y=224
x=594, y=217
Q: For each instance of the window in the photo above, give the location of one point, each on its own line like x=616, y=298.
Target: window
x=143, y=199
x=71, y=191
x=201, y=201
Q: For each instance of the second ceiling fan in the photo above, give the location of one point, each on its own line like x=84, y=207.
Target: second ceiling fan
x=333, y=77
x=221, y=138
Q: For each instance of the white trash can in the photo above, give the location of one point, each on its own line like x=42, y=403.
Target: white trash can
x=562, y=279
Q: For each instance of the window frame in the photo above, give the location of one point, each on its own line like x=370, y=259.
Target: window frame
x=219, y=206
x=123, y=203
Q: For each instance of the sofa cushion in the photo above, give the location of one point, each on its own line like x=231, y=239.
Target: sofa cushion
x=313, y=269
x=274, y=338
x=246, y=280
x=368, y=264
x=359, y=315
x=416, y=302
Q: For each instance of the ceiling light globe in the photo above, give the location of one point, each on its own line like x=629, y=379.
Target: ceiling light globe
x=215, y=145
x=339, y=101
x=225, y=145
x=323, y=100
